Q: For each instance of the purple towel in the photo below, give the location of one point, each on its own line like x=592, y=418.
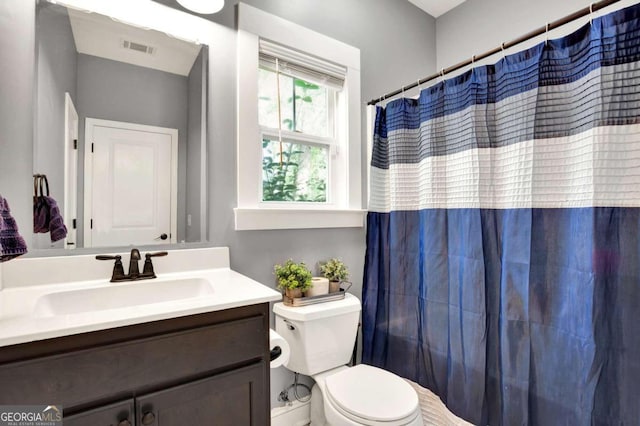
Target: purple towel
x=11, y=242
x=47, y=218
x=41, y=215
x=56, y=225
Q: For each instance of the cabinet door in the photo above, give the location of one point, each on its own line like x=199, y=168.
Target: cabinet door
x=236, y=398
x=118, y=414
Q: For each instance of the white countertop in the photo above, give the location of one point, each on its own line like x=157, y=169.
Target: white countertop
x=20, y=324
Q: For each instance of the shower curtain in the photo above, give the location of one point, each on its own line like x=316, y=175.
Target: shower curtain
x=503, y=238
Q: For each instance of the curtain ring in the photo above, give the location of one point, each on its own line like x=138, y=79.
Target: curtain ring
x=473, y=59
x=402, y=91
x=590, y=13
x=502, y=47
x=546, y=34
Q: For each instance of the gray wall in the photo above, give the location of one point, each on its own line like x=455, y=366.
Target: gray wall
x=480, y=25
x=195, y=134
x=56, y=74
x=17, y=41
x=111, y=90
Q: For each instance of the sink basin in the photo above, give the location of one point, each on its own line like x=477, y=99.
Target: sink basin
x=122, y=295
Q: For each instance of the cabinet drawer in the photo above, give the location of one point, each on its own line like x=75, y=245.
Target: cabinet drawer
x=109, y=371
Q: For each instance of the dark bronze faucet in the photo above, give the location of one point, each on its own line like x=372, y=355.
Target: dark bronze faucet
x=134, y=257
x=134, y=272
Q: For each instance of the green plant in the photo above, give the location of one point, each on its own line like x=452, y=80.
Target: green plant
x=293, y=275
x=334, y=269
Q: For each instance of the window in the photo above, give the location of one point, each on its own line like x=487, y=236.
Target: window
x=298, y=107
x=298, y=127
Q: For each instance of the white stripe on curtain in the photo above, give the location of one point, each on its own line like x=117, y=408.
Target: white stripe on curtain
x=596, y=168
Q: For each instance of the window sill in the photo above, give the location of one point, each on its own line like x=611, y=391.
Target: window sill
x=255, y=219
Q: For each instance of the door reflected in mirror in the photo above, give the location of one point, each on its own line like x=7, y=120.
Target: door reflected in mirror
x=120, y=130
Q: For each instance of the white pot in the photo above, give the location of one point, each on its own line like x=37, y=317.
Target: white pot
x=319, y=285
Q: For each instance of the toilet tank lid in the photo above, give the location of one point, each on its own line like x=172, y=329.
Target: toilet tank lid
x=350, y=303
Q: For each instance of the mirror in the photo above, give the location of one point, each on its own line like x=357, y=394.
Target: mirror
x=120, y=130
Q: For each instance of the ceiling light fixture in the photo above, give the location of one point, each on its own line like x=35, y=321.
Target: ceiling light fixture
x=204, y=7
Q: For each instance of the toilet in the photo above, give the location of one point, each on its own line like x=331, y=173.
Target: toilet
x=321, y=338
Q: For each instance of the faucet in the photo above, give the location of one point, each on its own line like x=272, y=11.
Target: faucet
x=134, y=257
x=134, y=272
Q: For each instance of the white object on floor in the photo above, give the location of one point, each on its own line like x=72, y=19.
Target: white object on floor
x=296, y=414
x=434, y=412
x=321, y=339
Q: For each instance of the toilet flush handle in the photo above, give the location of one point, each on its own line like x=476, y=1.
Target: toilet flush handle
x=289, y=325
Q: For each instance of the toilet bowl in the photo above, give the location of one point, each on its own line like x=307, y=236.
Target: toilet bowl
x=321, y=339
x=363, y=395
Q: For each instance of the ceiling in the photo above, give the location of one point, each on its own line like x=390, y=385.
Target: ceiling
x=98, y=35
x=436, y=8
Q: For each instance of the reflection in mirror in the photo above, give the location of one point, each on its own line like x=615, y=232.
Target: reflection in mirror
x=120, y=130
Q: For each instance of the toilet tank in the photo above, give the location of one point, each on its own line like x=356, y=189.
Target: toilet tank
x=321, y=336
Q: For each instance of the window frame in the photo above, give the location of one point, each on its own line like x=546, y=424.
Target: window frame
x=345, y=207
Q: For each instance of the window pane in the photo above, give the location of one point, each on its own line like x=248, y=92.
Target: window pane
x=267, y=104
x=311, y=108
x=304, y=106
x=301, y=176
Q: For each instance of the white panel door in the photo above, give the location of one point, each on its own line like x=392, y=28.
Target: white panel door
x=132, y=184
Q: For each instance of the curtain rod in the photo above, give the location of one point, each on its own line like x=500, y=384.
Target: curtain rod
x=528, y=36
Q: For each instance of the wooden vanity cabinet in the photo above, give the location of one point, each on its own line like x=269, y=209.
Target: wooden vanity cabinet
x=205, y=369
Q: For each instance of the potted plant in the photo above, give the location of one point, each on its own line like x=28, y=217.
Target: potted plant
x=294, y=278
x=336, y=271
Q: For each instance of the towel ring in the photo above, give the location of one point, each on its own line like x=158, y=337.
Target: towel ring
x=40, y=183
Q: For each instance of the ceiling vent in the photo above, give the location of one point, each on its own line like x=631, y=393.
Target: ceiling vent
x=138, y=47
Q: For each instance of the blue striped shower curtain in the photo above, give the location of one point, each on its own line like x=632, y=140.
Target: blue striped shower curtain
x=503, y=238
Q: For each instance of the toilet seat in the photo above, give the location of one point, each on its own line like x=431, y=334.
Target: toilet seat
x=372, y=396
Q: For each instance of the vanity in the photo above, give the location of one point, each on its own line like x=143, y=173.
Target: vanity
x=199, y=358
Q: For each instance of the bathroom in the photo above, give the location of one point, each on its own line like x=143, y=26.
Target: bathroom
x=398, y=42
